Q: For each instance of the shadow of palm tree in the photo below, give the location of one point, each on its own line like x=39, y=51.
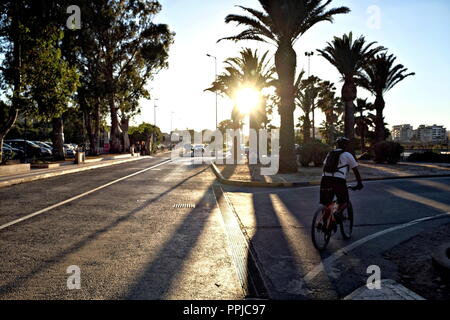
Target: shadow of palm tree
x=274, y=253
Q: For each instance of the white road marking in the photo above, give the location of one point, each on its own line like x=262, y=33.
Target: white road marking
x=344, y=251
x=79, y=196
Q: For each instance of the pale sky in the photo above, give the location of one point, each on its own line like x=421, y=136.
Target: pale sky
x=415, y=31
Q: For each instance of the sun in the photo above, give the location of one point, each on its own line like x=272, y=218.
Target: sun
x=247, y=99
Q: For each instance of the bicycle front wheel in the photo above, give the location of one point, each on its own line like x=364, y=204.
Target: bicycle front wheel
x=319, y=233
x=347, y=222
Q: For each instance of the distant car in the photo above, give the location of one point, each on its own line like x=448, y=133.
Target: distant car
x=69, y=151
x=197, y=150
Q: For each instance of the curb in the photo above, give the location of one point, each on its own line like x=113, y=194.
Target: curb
x=441, y=259
x=11, y=182
x=261, y=184
x=390, y=290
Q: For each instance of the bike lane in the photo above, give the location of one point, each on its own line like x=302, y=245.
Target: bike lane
x=277, y=223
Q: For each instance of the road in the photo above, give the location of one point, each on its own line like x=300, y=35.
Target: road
x=278, y=223
x=127, y=239
x=132, y=233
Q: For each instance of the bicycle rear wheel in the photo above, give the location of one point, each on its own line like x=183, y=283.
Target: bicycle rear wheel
x=319, y=233
x=347, y=222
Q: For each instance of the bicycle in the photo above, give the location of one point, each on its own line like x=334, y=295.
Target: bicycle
x=324, y=226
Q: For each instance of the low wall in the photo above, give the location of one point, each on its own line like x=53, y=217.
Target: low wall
x=11, y=169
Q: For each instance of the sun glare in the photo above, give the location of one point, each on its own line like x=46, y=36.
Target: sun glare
x=247, y=99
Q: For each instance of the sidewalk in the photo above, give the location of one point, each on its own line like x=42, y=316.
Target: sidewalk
x=67, y=168
x=249, y=175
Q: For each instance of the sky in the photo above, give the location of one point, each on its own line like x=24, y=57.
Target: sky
x=417, y=32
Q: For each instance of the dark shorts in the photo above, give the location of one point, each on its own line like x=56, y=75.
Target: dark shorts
x=331, y=186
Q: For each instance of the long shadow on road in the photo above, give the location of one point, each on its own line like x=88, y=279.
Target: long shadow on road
x=22, y=279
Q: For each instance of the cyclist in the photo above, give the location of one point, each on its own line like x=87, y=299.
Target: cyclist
x=336, y=167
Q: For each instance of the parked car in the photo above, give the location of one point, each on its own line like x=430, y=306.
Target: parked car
x=13, y=153
x=30, y=149
x=7, y=152
x=44, y=145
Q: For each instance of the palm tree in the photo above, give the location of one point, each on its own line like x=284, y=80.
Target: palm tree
x=378, y=77
x=329, y=104
x=306, y=92
x=247, y=70
x=281, y=23
x=363, y=121
x=349, y=57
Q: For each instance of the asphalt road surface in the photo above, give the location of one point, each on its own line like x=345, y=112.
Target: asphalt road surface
x=133, y=235
x=127, y=239
x=278, y=224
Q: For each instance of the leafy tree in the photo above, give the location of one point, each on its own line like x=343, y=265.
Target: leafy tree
x=363, y=120
x=306, y=92
x=379, y=76
x=349, y=57
x=50, y=84
x=282, y=22
x=35, y=77
x=149, y=134
x=331, y=107
x=132, y=48
x=11, y=31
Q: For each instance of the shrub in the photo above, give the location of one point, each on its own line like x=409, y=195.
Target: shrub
x=388, y=151
x=429, y=157
x=315, y=152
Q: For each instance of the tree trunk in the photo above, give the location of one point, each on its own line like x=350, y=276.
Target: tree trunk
x=313, y=123
x=363, y=132
x=4, y=129
x=306, y=129
x=286, y=62
x=349, y=95
x=254, y=124
x=97, y=128
x=124, y=125
x=235, y=117
x=58, y=139
x=330, y=124
x=148, y=145
x=379, y=120
x=116, y=146
x=115, y=141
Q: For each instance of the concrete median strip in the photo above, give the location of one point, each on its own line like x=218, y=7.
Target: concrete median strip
x=5, y=182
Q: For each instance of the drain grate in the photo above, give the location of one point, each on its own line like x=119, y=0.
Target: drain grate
x=184, y=205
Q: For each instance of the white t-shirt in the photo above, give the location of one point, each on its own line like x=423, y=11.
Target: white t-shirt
x=346, y=161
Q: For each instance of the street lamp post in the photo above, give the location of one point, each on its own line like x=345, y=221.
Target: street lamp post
x=154, y=110
x=309, y=55
x=215, y=64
